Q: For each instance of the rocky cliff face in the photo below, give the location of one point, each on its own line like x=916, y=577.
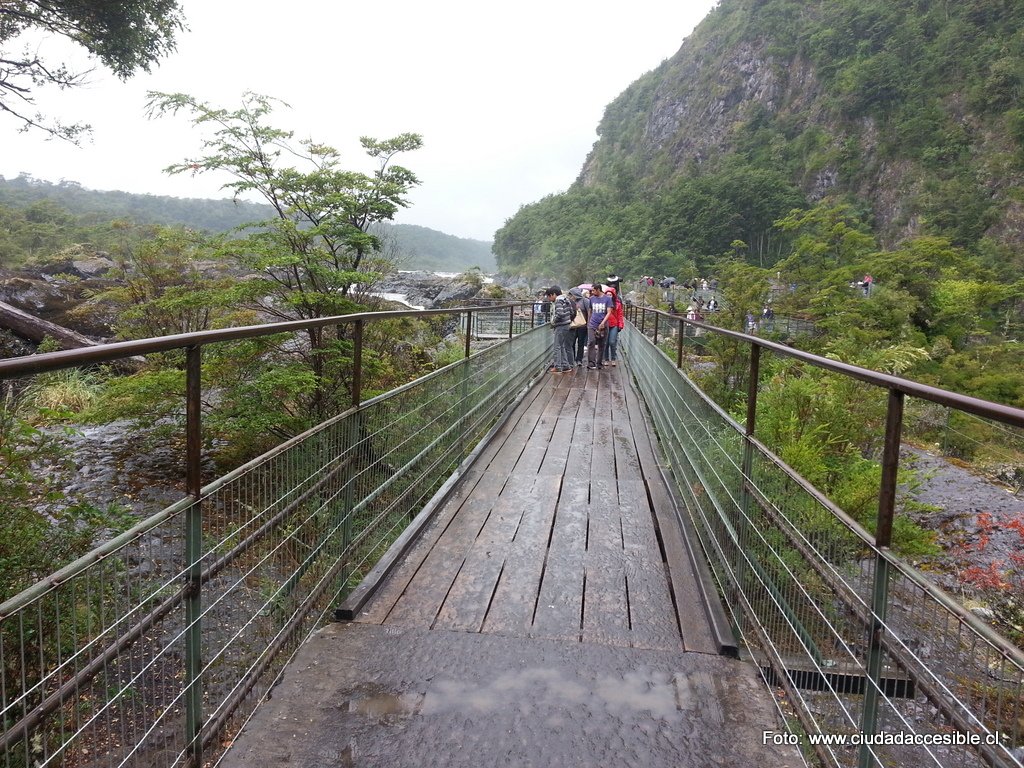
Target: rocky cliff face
x=698, y=99
x=733, y=88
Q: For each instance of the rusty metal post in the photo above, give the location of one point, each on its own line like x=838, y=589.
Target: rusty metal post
x=193, y=421
x=193, y=556
x=890, y=468
x=643, y=320
x=880, y=592
x=741, y=525
x=469, y=331
x=679, y=343
x=752, y=384
x=511, y=320
x=357, y=363
x=656, y=316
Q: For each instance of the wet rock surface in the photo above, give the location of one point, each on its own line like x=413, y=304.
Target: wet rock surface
x=426, y=289
x=117, y=463
x=368, y=695
x=59, y=300
x=971, y=516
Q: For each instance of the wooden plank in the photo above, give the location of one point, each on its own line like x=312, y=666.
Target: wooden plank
x=425, y=591
x=575, y=491
x=563, y=439
x=559, y=612
x=466, y=603
x=535, y=449
x=559, y=445
x=603, y=473
x=627, y=460
x=689, y=600
x=515, y=598
x=652, y=614
x=605, y=600
x=485, y=480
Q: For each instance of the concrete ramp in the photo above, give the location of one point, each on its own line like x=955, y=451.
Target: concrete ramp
x=370, y=695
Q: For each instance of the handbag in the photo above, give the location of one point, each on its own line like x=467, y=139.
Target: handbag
x=579, y=321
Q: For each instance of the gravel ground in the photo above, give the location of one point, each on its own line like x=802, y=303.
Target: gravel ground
x=971, y=518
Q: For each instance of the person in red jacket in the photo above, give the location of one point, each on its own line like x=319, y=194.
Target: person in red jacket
x=616, y=322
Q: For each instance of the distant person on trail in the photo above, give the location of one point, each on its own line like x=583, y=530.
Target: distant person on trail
x=564, y=311
x=866, y=283
x=597, y=327
x=542, y=309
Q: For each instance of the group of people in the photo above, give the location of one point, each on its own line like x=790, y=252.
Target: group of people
x=698, y=307
x=765, y=322
x=586, y=320
x=864, y=284
x=695, y=284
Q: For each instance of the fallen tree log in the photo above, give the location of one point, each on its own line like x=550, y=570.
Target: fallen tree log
x=30, y=327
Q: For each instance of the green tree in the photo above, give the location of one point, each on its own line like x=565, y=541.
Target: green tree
x=161, y=287
x=319, y=243
x=124, y=36
x=828, y=241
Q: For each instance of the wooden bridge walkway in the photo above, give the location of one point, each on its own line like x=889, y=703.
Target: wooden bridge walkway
x=549, y=614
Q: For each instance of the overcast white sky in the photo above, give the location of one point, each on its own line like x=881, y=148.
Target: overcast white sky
x=507, y=97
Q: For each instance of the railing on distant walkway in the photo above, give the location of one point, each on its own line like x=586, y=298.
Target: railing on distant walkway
x=154, y=648
x=779, y=326
x=497, y=323
x=860, y=641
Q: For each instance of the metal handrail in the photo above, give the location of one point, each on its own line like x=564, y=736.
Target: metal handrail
x=484, y=382
x=743, y=527
x=1006, y=414
x=105, y=353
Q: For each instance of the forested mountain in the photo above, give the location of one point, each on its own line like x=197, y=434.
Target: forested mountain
x=429, y=249
x=39, y=215
x=907, y=111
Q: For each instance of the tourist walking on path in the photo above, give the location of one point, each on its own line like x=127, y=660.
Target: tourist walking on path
x=597, y=327
x=616, y=322
x=564, y=311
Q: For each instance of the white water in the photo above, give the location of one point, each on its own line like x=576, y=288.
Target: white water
x=401, y=298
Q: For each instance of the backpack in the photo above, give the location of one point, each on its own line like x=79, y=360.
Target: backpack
x=578, y=320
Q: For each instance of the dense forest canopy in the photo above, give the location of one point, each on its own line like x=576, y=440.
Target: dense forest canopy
x=41, y=217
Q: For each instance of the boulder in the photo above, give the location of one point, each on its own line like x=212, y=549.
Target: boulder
x=453, y=293
x=57, y=301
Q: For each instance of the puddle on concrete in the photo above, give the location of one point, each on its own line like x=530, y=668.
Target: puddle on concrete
x=380, y=703
x=655, y=694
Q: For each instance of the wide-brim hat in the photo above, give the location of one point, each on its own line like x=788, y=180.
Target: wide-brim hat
x=614, y=278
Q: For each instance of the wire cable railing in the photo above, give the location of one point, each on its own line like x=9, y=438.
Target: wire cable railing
x=873, y=664
x=155, y=647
